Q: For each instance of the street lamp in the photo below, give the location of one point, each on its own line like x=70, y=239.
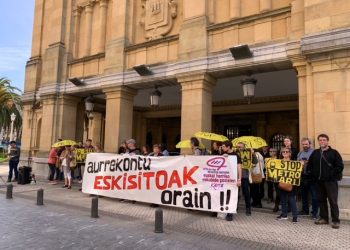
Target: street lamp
x=155, y=95
x=89, y=108
x=13, y=118
x=248, y=85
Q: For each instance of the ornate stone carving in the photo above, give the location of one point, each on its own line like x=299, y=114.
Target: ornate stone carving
x=157, y=17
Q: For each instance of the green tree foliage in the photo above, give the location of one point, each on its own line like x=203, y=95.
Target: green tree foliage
x=10, y=102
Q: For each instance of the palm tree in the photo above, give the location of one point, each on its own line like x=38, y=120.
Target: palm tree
x=10, y=102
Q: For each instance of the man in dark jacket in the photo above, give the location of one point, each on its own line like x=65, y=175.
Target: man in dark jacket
x=326, y=167
x=13, y=161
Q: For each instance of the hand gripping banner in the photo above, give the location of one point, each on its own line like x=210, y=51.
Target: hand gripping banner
x=194, y=182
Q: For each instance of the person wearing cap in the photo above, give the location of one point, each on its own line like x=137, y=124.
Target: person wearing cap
x=13, y=160
x=131, y=147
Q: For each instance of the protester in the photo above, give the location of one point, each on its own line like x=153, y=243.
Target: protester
x=145, y=150
x=73, y=163
x=156, y=150
x=288, y=196
x=164, y=149
x=257, y=185
x=122, y=148
x=246, y=177
x=288, y=143
x=79, y=164
x=98, y=148
x=216, y=148
x=273, y=154
x=131, y=147
x=227, y=149
x=307, y=185
x=66, y=158
x=266, y=153
x=195, y=146
x=13, y=155
x=326, y=167
x=59, y=172
x=52, y=165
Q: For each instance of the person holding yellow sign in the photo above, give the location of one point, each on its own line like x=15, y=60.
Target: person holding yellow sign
x=288, y=195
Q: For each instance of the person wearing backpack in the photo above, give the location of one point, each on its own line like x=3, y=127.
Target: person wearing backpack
x=326, y=167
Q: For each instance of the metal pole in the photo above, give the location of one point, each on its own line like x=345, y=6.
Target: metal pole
x=9, y=191
x=94, y=207
x=40, y=197
x=158, y=225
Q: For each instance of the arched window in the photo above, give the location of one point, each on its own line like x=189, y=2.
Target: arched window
x=277, y=141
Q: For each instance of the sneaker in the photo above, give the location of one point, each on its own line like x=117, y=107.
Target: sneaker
x=321, y=222
x=295, y=220
x=229, y=217
x=303, y=213
x=282, y=217
x=314, y=217
x=335, y=225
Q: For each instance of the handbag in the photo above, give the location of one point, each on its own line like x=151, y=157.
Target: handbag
x=285, y=186
x=257, y=178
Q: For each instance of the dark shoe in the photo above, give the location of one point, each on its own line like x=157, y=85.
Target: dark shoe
x=303, y=213
x=321, y=222
x=154, y=205
x=248, y=212
x=229, y=217
x=257, y=206
x=69, y=187
x=8, y=180
x=282, y=217
x=295, y=220
x=335, y=225
x=214, y=214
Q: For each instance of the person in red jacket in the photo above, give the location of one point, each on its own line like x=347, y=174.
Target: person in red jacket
x=52, y=165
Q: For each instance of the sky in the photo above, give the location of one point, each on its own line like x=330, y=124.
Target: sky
x=16, y=27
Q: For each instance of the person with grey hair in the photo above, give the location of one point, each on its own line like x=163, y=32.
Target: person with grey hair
x=307, y=185
x=131, y=147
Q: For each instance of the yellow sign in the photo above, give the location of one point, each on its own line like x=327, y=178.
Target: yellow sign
x=283, y=171
x=246, y=157
x=81, y=154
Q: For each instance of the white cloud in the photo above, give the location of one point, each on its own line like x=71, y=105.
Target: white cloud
x=13, y=58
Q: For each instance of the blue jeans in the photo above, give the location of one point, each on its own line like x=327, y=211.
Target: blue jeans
x=291, y=196
x=307, y=186
x=13, y=168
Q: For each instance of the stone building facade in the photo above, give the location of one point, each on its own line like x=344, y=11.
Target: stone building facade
x=300, y=59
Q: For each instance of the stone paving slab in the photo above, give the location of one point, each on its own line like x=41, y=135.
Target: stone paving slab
x=261, y=230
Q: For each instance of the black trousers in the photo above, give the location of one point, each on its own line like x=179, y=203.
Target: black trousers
x=328, y=190
x=246, y=192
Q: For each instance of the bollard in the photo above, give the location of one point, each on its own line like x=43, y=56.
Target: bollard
x=40, y=197
x=9, y=191
x=158, y=225
x=94, y=207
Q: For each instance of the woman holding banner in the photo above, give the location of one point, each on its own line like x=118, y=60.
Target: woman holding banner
x=288, y=195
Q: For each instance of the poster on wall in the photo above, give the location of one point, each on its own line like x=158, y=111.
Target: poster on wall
x=205, y=183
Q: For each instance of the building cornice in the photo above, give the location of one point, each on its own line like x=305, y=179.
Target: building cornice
x=325, y=42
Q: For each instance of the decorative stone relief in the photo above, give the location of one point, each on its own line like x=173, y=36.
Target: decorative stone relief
x=157, y=17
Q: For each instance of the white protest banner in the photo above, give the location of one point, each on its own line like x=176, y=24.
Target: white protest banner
x=197, y=182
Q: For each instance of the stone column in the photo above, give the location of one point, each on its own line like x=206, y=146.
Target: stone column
x=26, y=129
x=102, y=25
x=265, y=5
x=235, y=9
x=95, y=127
x=88, y=28
x=77, y=15
x=196, y=105
x=119, y=116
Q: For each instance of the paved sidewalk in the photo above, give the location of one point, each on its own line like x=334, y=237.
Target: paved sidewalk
x=260, y=230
